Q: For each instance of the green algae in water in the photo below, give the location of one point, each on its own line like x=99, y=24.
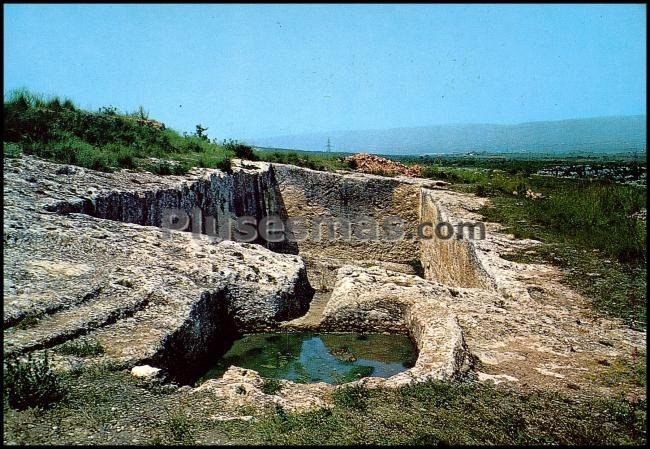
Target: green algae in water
x=311, y=357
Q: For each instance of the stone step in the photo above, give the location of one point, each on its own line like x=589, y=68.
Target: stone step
x=32, y=304
x=106, y=308
x=313, y=317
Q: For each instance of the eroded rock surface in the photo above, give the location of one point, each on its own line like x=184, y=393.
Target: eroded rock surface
x=166, y=297
x=84, y=258
x=533, y=329
x=378, y=300
x=242, y=387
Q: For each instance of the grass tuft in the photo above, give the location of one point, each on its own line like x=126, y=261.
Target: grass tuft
x=82, y=347
x=31, y=383
x=271, y=386
x=351, y=396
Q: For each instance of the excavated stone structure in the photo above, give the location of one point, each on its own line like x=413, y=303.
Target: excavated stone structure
x=85, y=257
x=320, y=197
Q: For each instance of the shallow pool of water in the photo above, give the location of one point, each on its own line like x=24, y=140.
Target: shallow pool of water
x=311, y=357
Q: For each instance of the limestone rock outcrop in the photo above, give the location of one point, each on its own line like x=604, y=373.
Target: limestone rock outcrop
x=377, y=300
x=243, y=387
x=147, y=295
x=84, y=256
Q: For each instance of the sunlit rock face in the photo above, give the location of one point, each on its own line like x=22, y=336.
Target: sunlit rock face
x=172, y=298
x=86, y=258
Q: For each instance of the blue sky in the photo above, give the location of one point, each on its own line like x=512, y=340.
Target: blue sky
x=264, y=70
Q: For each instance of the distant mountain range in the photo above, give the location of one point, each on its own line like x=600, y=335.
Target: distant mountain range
x=590, y=135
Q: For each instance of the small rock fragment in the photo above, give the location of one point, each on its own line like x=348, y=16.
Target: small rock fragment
x=145, y=372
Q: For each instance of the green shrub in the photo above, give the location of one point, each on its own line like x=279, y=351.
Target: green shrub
x=271, y=386
x=209, y=160
x=191, y=146
x=164, y=168
x=521, y=188
x=225, y=165
x=31, y=383
x=11, y=150
x=439, y=393
x=241, y=150
x=141, y=113
x=312, y=160
x=182, y=168
x=352, y=396
x=81, y=347
x=178, y=428
x=103, y=140
x=200, y=132
x=161, y=168
x=94, y=159
x=124, y=156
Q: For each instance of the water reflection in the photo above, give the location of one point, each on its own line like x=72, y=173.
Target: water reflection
x=309, y=357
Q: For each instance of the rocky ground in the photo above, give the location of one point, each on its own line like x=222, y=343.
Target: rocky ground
x=139, y=291
x=624, y=173
x=369, y=163
x=165, y=298
x=538, y=331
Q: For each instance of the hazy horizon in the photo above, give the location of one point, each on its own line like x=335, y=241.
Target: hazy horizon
x=431, y=125
x=612, y=134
